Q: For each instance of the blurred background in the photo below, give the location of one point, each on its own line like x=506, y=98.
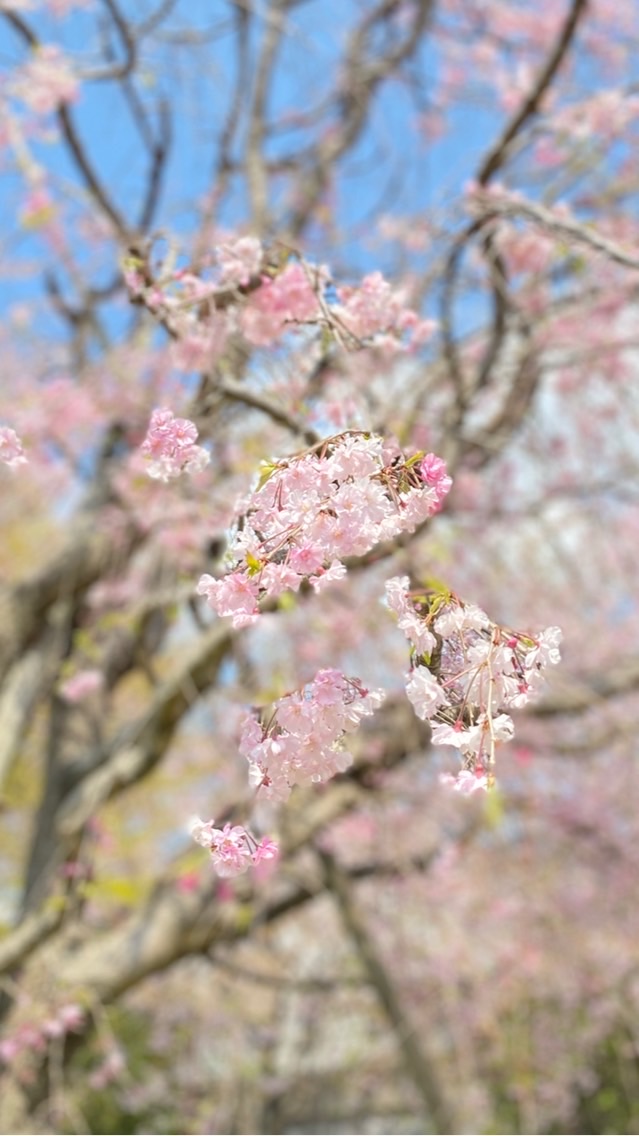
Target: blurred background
x=465, y=175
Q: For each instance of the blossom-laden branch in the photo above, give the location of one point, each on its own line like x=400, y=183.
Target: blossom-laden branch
x=297, y=741
x=466, y=671
x=495, y=204
x=233, y=848
x=300, y=740
x=309, y=512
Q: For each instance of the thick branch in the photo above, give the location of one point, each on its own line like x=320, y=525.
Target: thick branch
x=139, y=747
x=23, y=608
x=417, y=1064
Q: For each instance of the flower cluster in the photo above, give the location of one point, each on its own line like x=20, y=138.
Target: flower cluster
x=246, y=290
x=299, y=741
x=239, y=260
x=466, y=672
x=310, y=511
x=46, y=80
x=233, y=848
x=11, y=451
x=374, y=309
x=288, y=298
x=170, y=447
x=34, y=1038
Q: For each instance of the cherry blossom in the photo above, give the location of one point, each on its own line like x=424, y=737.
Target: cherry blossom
x=81, y=685
x=46, y=80
x=11, y=451
x=466, y=671
x=300, y=739
x=287, y=299
x=312, y=510
x=233, y=848
x=170, y=447
x=239, y=260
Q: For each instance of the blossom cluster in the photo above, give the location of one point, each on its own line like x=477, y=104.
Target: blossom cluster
x=233, y=848
x=310, y=511
x=239, y=260
x=46, y=80
x=33, y=1038
x=466, y=672
x=300, y=740
x=285, y=299
x=11, y=451
x=170, y=446
x=263, y=299
x=374, y=309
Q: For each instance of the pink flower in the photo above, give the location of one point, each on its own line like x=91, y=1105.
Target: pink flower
x=266, y=850
x=466, y=782
x=11, y=451
x=198, y=346
x=9, y=1049
x=289, y=298
x=81, y=685
x=170, y=446
x=424, y=692
x=481, y=670
x=301, y=739
x=71, y=1016
x=233, y=595
x=233, y=848
x=310, y=511
x=330, y=575
x=433, y=472
x=239, y=260
x=46, y=80
x=187, y=882
x=53, y=1028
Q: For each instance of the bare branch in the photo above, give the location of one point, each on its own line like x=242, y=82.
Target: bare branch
x=512, y=207
x=418, y=1065
x=495, y=159
x=362, y=75
x=255, y=168
x=491, y=164
x=116, y=70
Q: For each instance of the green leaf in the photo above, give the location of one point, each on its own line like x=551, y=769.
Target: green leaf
x=254, y=565
x=267, y=469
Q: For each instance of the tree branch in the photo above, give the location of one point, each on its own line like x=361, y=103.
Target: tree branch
x=417, y=1064
x=496, y=157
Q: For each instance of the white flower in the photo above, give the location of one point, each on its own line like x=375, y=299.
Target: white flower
x=424, y=693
